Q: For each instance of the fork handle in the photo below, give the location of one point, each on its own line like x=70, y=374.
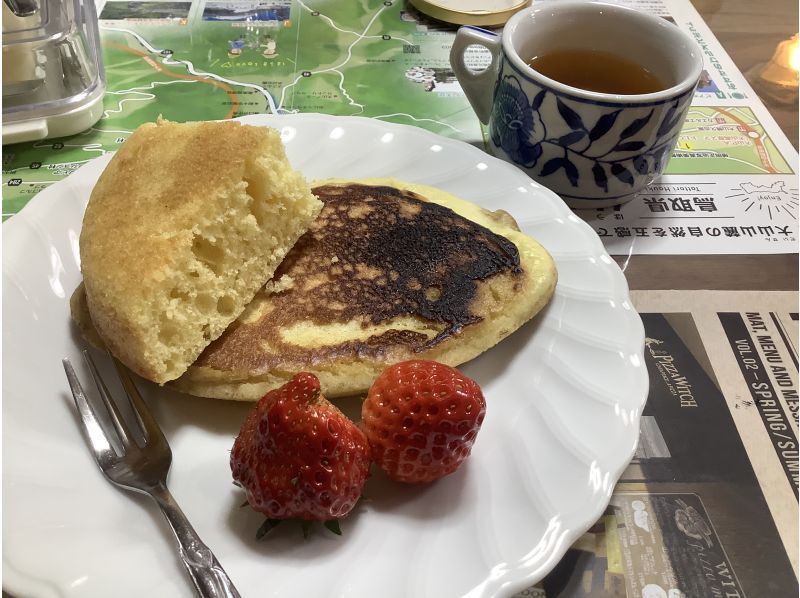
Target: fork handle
x=208, y=576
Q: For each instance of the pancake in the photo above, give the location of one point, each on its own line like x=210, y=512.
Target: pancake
x=185, y=224
x=388, y=271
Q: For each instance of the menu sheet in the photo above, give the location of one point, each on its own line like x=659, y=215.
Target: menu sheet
x=708, y=507
x=730, y=186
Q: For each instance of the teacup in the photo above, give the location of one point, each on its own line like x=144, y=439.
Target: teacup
x=593, y=149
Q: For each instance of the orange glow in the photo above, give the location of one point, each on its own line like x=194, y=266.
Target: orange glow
x=794, y=54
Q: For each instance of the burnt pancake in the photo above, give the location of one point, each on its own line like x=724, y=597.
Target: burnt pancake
x=388, y=271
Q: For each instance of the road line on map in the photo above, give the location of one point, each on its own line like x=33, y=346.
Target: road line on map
x=135, y=90
x=326, y=17
x=347, y=95
x=70, y=162
x=151, y=86
x=190, y=67
x=15, y=170
x=149, y=96
x=296, y=52
x=738, y=110
x=90, y=147
x=360, y=37
x=108, y=131
x=338, y=66
x=118, y=109
x=283, y=92
x=332, y=24
x=438, y=122
x=194, y=77
x=405, y=41
x=764, y=154
x=203, y=75
x=37, y=182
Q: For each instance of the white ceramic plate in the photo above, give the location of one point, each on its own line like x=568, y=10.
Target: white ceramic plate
x=564, y=397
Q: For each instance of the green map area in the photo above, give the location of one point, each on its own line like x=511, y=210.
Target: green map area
x=216, y=59
x=729, y=140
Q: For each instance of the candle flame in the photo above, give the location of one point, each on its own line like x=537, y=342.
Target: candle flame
x=794, y=54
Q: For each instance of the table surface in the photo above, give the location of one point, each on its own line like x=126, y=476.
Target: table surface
x=749, y=31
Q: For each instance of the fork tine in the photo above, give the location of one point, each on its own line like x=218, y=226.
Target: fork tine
x=124, y=432
x=92, y=430
x=152, y=431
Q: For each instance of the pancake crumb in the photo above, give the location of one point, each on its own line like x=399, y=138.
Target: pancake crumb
x=284, y=283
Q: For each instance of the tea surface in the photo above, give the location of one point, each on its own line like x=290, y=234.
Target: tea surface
x=592, y=70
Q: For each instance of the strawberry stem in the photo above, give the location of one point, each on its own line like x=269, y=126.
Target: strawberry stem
x=331, y=525
x=268, y=525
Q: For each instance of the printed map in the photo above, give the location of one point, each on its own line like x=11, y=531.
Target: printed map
x=216, y=59
x=728, y=140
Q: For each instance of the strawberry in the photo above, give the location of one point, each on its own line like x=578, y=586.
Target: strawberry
x=421, y=419
x=298, y=456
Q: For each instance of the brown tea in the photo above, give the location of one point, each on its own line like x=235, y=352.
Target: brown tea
x=597, y=71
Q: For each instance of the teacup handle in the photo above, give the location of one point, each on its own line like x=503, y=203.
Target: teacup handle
x=477, y=86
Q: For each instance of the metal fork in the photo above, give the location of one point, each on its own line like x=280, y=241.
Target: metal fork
x=143, y=467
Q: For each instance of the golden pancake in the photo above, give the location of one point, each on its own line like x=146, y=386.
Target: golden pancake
x=184, y=226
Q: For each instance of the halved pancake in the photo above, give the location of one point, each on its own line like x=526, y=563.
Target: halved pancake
x=388, y=271
x=185, y=224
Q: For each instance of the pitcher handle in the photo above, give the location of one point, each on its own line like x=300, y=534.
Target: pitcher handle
x=477, y=86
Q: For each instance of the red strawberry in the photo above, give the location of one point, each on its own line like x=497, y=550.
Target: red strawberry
x=298, y=456
x=421, y=419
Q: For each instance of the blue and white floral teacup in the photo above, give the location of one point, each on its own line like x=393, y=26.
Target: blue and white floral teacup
x=593, y=149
